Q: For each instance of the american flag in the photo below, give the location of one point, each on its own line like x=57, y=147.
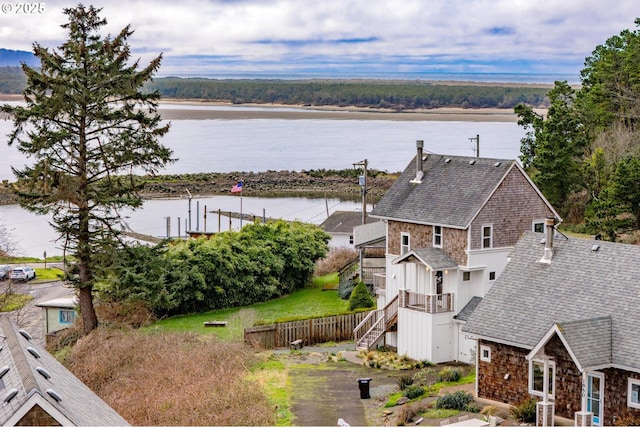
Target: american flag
x=237, y=188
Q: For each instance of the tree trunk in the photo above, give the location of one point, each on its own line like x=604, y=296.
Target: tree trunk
x=89, y=318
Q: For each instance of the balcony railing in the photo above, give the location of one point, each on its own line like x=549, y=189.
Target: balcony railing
x=428, y=303
x=369, y=274
x=379, y=283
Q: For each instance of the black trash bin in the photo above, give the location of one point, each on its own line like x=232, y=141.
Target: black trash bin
x=363, y=383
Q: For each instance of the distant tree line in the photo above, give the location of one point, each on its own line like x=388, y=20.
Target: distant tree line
x=12, y=80
x=398, y=95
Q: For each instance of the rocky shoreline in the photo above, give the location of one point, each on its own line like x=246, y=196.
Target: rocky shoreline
x=264, y=184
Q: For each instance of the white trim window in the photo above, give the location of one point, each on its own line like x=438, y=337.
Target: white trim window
x=487, y=236
x=633, y=393
x=537, y=226
x=537, y=376
x=485, y=353
x=437, y=236
x=405, y=243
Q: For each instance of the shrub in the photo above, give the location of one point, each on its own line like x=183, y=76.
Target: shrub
x=457, y=400
x=335, y=260
x=425, y=376
x=405, y=381
x=413, y=391
x=524, y=411
x=360, y=297
x=449, y=375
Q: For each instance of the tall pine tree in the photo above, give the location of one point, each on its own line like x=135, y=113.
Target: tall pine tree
x=87, y=127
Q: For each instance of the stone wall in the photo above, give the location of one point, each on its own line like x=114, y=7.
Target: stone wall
x=511, y=211
x=454, y=241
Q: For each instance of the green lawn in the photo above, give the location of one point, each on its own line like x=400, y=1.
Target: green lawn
x=309, y=302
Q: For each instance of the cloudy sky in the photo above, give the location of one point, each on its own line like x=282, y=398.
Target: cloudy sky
x=345, y=37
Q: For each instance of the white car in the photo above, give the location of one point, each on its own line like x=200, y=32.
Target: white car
x=22, y=273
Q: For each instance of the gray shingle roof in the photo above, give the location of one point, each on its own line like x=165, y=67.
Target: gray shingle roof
x=589, y=340
x=343, y=221
x=579, y=284
x=27, y=365
x=469, y=307
x=432, y=257
x=451, y=192
x=368, y=234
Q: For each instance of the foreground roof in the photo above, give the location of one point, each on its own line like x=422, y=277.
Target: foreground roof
x=590, y=290
x=451, y=192
x=30, y=376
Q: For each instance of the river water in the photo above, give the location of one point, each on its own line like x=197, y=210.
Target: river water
x=269, y=144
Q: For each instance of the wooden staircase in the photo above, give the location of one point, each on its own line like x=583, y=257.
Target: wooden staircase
x=371, y=330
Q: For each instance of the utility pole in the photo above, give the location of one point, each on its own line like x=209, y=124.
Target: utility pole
x=363, y=185
x=190, y=197
x=477, y=140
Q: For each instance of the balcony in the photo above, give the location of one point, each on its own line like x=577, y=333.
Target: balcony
x=380, y=283
x=428, y=303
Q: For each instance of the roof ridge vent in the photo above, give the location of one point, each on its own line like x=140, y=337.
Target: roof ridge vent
x=10, y=395
x=33, y=352
x=54, y=395
x=43, y=372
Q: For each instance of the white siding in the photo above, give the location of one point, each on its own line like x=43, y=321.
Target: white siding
x=423, y=336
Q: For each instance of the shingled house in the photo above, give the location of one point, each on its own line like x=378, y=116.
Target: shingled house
x=450, y=223
x=561, y=325
x=37, y=390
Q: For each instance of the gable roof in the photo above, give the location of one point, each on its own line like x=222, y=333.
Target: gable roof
x=344, y=221
x=34, y=377
x=434, y=258
x=588, y=341
x=585, y=279
x=452, y=190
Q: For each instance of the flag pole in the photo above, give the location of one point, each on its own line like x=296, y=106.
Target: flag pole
x=241, y=210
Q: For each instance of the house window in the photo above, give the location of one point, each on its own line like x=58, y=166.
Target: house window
x=351, y=239
x=404, y=243
x=439, y=281
x=466, y=276
x=633, y=393
x=492, y=275
x=485, y=353
x=487, y=237
x=67, y=316
x=538, y=226
x=537, y=377
x=437, y=236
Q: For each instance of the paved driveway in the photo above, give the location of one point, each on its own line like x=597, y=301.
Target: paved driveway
x=30, y=317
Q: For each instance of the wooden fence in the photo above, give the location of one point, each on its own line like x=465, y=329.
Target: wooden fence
x=311, y=331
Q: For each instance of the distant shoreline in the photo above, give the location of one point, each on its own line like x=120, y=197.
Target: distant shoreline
x=301, y=112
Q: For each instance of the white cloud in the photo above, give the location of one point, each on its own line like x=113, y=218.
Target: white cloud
x=479, y=31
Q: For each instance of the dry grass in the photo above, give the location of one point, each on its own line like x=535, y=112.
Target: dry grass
x=170, y=379
x=335, y=260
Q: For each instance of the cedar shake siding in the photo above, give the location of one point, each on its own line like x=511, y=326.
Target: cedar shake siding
x=505, y=360
x=37, y=417
x=511, y=360
x=511, y=210
x=616, y=383
x=454, y=241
